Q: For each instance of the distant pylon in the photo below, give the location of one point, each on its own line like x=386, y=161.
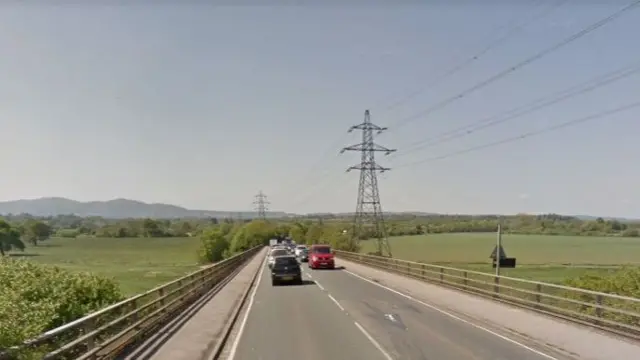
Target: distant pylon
x=369, y=209
x=261, y=203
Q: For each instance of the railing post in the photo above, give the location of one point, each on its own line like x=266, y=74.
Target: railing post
x=161, y=295
x=88, y=327
x=423, y=271
x=599, y=305
x=409, y=272
x=465, y=281
x=441, y=275
x=538, y=295
x=134, y=307
x=496, y=286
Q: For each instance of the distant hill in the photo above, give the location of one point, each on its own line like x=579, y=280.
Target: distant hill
x=114, y=209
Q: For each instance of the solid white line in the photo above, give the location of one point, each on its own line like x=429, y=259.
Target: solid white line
x=236, y=341
x=454, y=317
x=336, y=301
x=373, y=341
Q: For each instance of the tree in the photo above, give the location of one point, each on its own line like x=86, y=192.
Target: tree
x=213, y=246
x=36, y=231
x=9, y=238
x=314, y=234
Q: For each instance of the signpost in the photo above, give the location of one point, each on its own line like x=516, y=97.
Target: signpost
x=499, y=256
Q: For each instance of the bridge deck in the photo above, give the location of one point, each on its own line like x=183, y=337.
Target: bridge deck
x=540, y=332
x=193, y=338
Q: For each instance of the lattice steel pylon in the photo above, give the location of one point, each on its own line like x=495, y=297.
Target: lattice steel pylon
x=369, y=209
x=261, y=203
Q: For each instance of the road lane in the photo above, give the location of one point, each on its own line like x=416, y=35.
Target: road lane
x=300, y=322
x=408, y=330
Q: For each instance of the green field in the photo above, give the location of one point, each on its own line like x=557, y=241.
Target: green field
x=138, y=264
x=539, y=257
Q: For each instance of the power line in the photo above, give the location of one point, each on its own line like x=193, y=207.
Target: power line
x=511, y=31
x=541, y=103
x=528, y=134
x=304, y=180
x=369, y=208
x=261, y=203
x=521, y=64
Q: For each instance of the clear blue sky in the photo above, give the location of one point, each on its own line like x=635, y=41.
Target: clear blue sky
x=204, y=106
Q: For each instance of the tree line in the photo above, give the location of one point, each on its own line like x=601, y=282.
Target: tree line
x=396, y=225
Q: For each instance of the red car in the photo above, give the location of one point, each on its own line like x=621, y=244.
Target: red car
x=321, y=256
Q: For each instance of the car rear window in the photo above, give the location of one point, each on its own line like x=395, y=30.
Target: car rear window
x=322, y=250
x=286, y=261
x=279, y=252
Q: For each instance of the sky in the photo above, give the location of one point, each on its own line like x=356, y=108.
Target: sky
x=203, y=106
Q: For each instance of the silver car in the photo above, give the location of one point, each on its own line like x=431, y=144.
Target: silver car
x=276, y=252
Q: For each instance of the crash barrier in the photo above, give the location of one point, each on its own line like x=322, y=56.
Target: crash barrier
x=106, y=333
x=614, y=313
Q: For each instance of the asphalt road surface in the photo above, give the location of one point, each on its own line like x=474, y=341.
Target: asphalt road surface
x=336, y=315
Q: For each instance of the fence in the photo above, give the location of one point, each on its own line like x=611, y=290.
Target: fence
x=615, y=313
x=105, y=333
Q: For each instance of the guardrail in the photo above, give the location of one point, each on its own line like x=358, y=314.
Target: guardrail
x=614, y=313
x=107, y=332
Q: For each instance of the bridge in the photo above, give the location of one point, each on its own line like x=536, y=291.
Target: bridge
x=368, y=308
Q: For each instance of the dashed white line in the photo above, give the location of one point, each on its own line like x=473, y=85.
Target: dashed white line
x=320, y=286
x=336, y=302
x=236, y=341
x=451, y=316
x=373, y=341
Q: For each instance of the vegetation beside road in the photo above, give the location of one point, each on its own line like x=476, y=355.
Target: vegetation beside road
x=35, y=298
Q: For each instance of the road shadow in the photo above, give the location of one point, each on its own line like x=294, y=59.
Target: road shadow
x=18, y=255
x=45, y=245
x=327, y=269
x=304, y=283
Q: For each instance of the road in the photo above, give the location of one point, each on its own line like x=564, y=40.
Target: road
x=336, y=315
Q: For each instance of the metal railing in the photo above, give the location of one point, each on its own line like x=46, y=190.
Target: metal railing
x=615, y=313
x=107, y=332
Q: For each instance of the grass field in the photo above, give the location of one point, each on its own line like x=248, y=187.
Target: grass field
x=138, y=264
x=539, y=257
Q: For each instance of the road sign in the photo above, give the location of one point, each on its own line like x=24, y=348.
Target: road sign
x=503, y=254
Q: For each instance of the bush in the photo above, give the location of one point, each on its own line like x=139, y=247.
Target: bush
x=625, y=282
x=67, y=233
x=36, y=298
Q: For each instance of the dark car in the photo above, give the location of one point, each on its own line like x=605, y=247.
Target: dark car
x=286, y=269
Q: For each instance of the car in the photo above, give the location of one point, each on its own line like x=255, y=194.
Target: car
x=286, y=269
x=321, y=256
x=275, y=252
x=303, y=255
x=299, y=249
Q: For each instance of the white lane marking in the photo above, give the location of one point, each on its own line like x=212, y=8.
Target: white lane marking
x=236, y=341
x=336, y=302
x=320, y=286
x=373, y=341
x=505, y=338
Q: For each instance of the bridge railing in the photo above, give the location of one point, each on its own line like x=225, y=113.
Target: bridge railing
x=106, y=332
x=615, y=313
